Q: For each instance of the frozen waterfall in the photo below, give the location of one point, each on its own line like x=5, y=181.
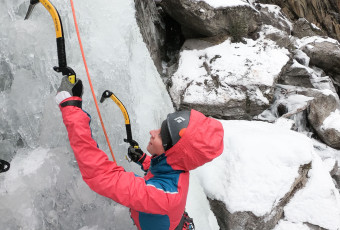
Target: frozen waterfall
x=44, y=189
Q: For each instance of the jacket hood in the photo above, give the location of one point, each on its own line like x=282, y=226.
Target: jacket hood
x=201, y=143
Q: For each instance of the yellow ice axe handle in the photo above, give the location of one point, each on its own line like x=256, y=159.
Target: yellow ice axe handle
x=109, y=94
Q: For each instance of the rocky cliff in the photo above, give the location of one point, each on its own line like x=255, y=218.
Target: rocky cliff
x=265, y=60
x=322, y=13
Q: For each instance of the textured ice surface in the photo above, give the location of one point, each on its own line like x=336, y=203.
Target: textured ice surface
x=44, y=189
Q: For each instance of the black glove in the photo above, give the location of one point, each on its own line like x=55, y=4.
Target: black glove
x=75, y=89
x=136, y=154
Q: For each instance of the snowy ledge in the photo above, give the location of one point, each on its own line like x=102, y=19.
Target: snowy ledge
x=275, y=153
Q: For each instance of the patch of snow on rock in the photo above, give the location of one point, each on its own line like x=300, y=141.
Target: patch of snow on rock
x=286, y=225
x=332, y=121
x=314, y=39
x=319, y=202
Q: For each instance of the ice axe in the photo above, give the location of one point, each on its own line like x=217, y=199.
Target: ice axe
x=63, y=68
x=109, y=94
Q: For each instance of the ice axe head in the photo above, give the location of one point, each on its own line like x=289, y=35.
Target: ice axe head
x=33, y=3
x=105, y=95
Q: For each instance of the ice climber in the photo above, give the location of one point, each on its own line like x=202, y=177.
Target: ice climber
x=185, y=141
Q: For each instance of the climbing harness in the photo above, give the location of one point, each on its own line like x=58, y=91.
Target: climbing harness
x=4, y=166
x=63, y=68
x=109, y=94
x=186, y=223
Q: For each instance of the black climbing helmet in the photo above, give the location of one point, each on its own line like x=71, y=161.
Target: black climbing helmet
x=173, y=127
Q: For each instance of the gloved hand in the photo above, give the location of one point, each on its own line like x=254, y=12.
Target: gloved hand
x=136, y=154
x=67, y=90
x=75, y=89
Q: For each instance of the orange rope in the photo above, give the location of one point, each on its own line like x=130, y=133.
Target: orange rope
x=89, y=78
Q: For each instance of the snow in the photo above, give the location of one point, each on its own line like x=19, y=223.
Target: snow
x=319, y=202
x=294, y=102
x=300, y=55
x=273, y=152
x=272, y=8
x=198, y=206
x=286, y=225
x=255, y=63
x=332, y=121
x=326, y=152
x=284, y=123
x=314, y=39
x=329, y=163
x=276, y=10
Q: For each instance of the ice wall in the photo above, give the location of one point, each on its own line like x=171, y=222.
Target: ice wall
x=43, y=189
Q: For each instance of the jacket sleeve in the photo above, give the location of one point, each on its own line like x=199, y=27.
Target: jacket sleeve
x=146, y=163
x=104, y=176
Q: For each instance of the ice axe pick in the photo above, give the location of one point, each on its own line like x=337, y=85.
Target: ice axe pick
x=63, y=68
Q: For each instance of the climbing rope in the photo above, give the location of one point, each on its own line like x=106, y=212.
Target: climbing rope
x=89, y=79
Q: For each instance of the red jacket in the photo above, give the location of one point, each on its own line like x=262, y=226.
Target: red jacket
x=157, y=201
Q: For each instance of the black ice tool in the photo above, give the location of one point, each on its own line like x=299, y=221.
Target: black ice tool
x=63, y=68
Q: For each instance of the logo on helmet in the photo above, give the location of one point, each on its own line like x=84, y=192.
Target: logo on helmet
x=179, y=119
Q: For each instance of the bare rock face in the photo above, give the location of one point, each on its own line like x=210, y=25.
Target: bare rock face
x=247, y=220
x=303, y=28
x=152, y=29
x=322, y=13
x=204, y=20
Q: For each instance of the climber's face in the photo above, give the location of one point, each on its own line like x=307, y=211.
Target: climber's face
x=155, y=146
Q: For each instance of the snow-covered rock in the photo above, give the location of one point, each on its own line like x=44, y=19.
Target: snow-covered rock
x=322, y=13
x=272, y=15
x=281, y=159
x=324, y=54
x=322, y=115
x=319, y=202
x=317, y=106
x=229, y=80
